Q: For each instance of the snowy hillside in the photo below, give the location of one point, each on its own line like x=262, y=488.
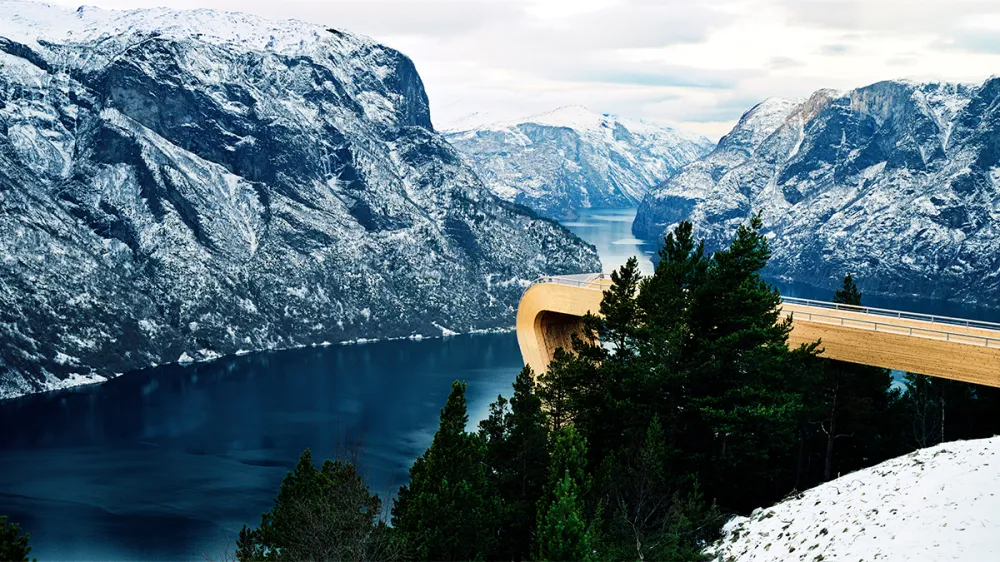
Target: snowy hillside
x=572, y=158
x=181, y=185
x=941, y=503
x=896, y=182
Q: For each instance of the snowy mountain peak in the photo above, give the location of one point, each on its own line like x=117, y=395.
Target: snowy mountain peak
x=572, y=116
x=28, y=22
x=760, y=122
x=897, y=179
x=570, y=158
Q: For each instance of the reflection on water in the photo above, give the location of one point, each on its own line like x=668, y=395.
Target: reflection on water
x=610, y=230
x=169, y=463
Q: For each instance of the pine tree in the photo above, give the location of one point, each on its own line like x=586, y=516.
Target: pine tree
x=516, y=437
x=563, y=533
x=848, y=293
x=13, y=546
x=745, y=404
x=326, y=514
x=443, y=511
x=596, y=387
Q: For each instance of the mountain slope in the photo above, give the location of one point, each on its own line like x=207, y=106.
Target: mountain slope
x=935, y=504
x=896, y=182
x=572, y=158
x=180, y=185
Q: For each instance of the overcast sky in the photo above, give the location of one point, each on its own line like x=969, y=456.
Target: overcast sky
x=695, y=64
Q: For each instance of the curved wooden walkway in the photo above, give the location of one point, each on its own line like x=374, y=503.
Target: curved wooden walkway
x=953, y=348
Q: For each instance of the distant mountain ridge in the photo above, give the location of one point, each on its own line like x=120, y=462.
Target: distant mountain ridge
x=572, y=158
x=180, y=185
x=897, y=182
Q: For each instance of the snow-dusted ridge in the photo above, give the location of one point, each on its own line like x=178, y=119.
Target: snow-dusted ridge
x=896, y=182
x=570, y=158
x=195, y=184
x=940, y=503
x=32, y=22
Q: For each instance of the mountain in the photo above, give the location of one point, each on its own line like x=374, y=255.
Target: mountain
x=176, y=186
x=572, y=158
x=896, y=182
x=932, y=505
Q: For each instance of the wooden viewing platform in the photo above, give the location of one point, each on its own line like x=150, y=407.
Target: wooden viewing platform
x=551, y=310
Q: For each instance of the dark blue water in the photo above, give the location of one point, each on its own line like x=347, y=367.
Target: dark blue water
x=169, y=463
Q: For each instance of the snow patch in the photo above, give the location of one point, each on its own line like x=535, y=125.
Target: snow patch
x=936, y=504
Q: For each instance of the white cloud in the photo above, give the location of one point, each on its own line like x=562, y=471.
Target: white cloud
x=697, y=65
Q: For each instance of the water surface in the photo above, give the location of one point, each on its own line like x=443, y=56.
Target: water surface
x=610, y=230
x=169, y=463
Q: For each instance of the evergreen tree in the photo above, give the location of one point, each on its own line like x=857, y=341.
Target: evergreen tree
x=13, y=546
x=517, y=456
x=744, y=385
x=443, y=512
x=326, y=514
x=563, y=533
x=596, y=387
x=848, y=293
x=650, y=517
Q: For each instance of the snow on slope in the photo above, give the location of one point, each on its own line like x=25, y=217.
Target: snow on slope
x=940, y=503
x=177, y=186
x=897, y=181
x=572, y=158
x=37, y=21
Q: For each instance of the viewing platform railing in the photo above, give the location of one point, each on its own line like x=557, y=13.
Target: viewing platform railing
x=600, y=281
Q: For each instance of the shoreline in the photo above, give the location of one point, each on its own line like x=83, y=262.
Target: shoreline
x=80, y=382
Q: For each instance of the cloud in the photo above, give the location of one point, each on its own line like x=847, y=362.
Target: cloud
x=835, y=49
x=781, y=63
x=696, y=65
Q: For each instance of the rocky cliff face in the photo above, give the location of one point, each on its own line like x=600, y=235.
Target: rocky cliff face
x=571, y=158
x=896, y=182
x=179, y=185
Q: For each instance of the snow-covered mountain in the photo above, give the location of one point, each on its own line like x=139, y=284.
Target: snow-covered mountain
x=572, y=158
x=933, y=505
x=897, y=182
x=180, y=185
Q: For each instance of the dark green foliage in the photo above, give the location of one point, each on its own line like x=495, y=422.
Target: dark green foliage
x=563, y=532
x=652, y=514
x=13, y=546
x=447, y=511
x=325, y=514
x=517, y=458
x=849, y=293
x=939, y=410
x=742, y=381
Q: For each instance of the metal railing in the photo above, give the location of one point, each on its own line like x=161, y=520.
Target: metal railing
x=598, y=281
x=588, y=281
x=898, y=329
x=934, y=318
